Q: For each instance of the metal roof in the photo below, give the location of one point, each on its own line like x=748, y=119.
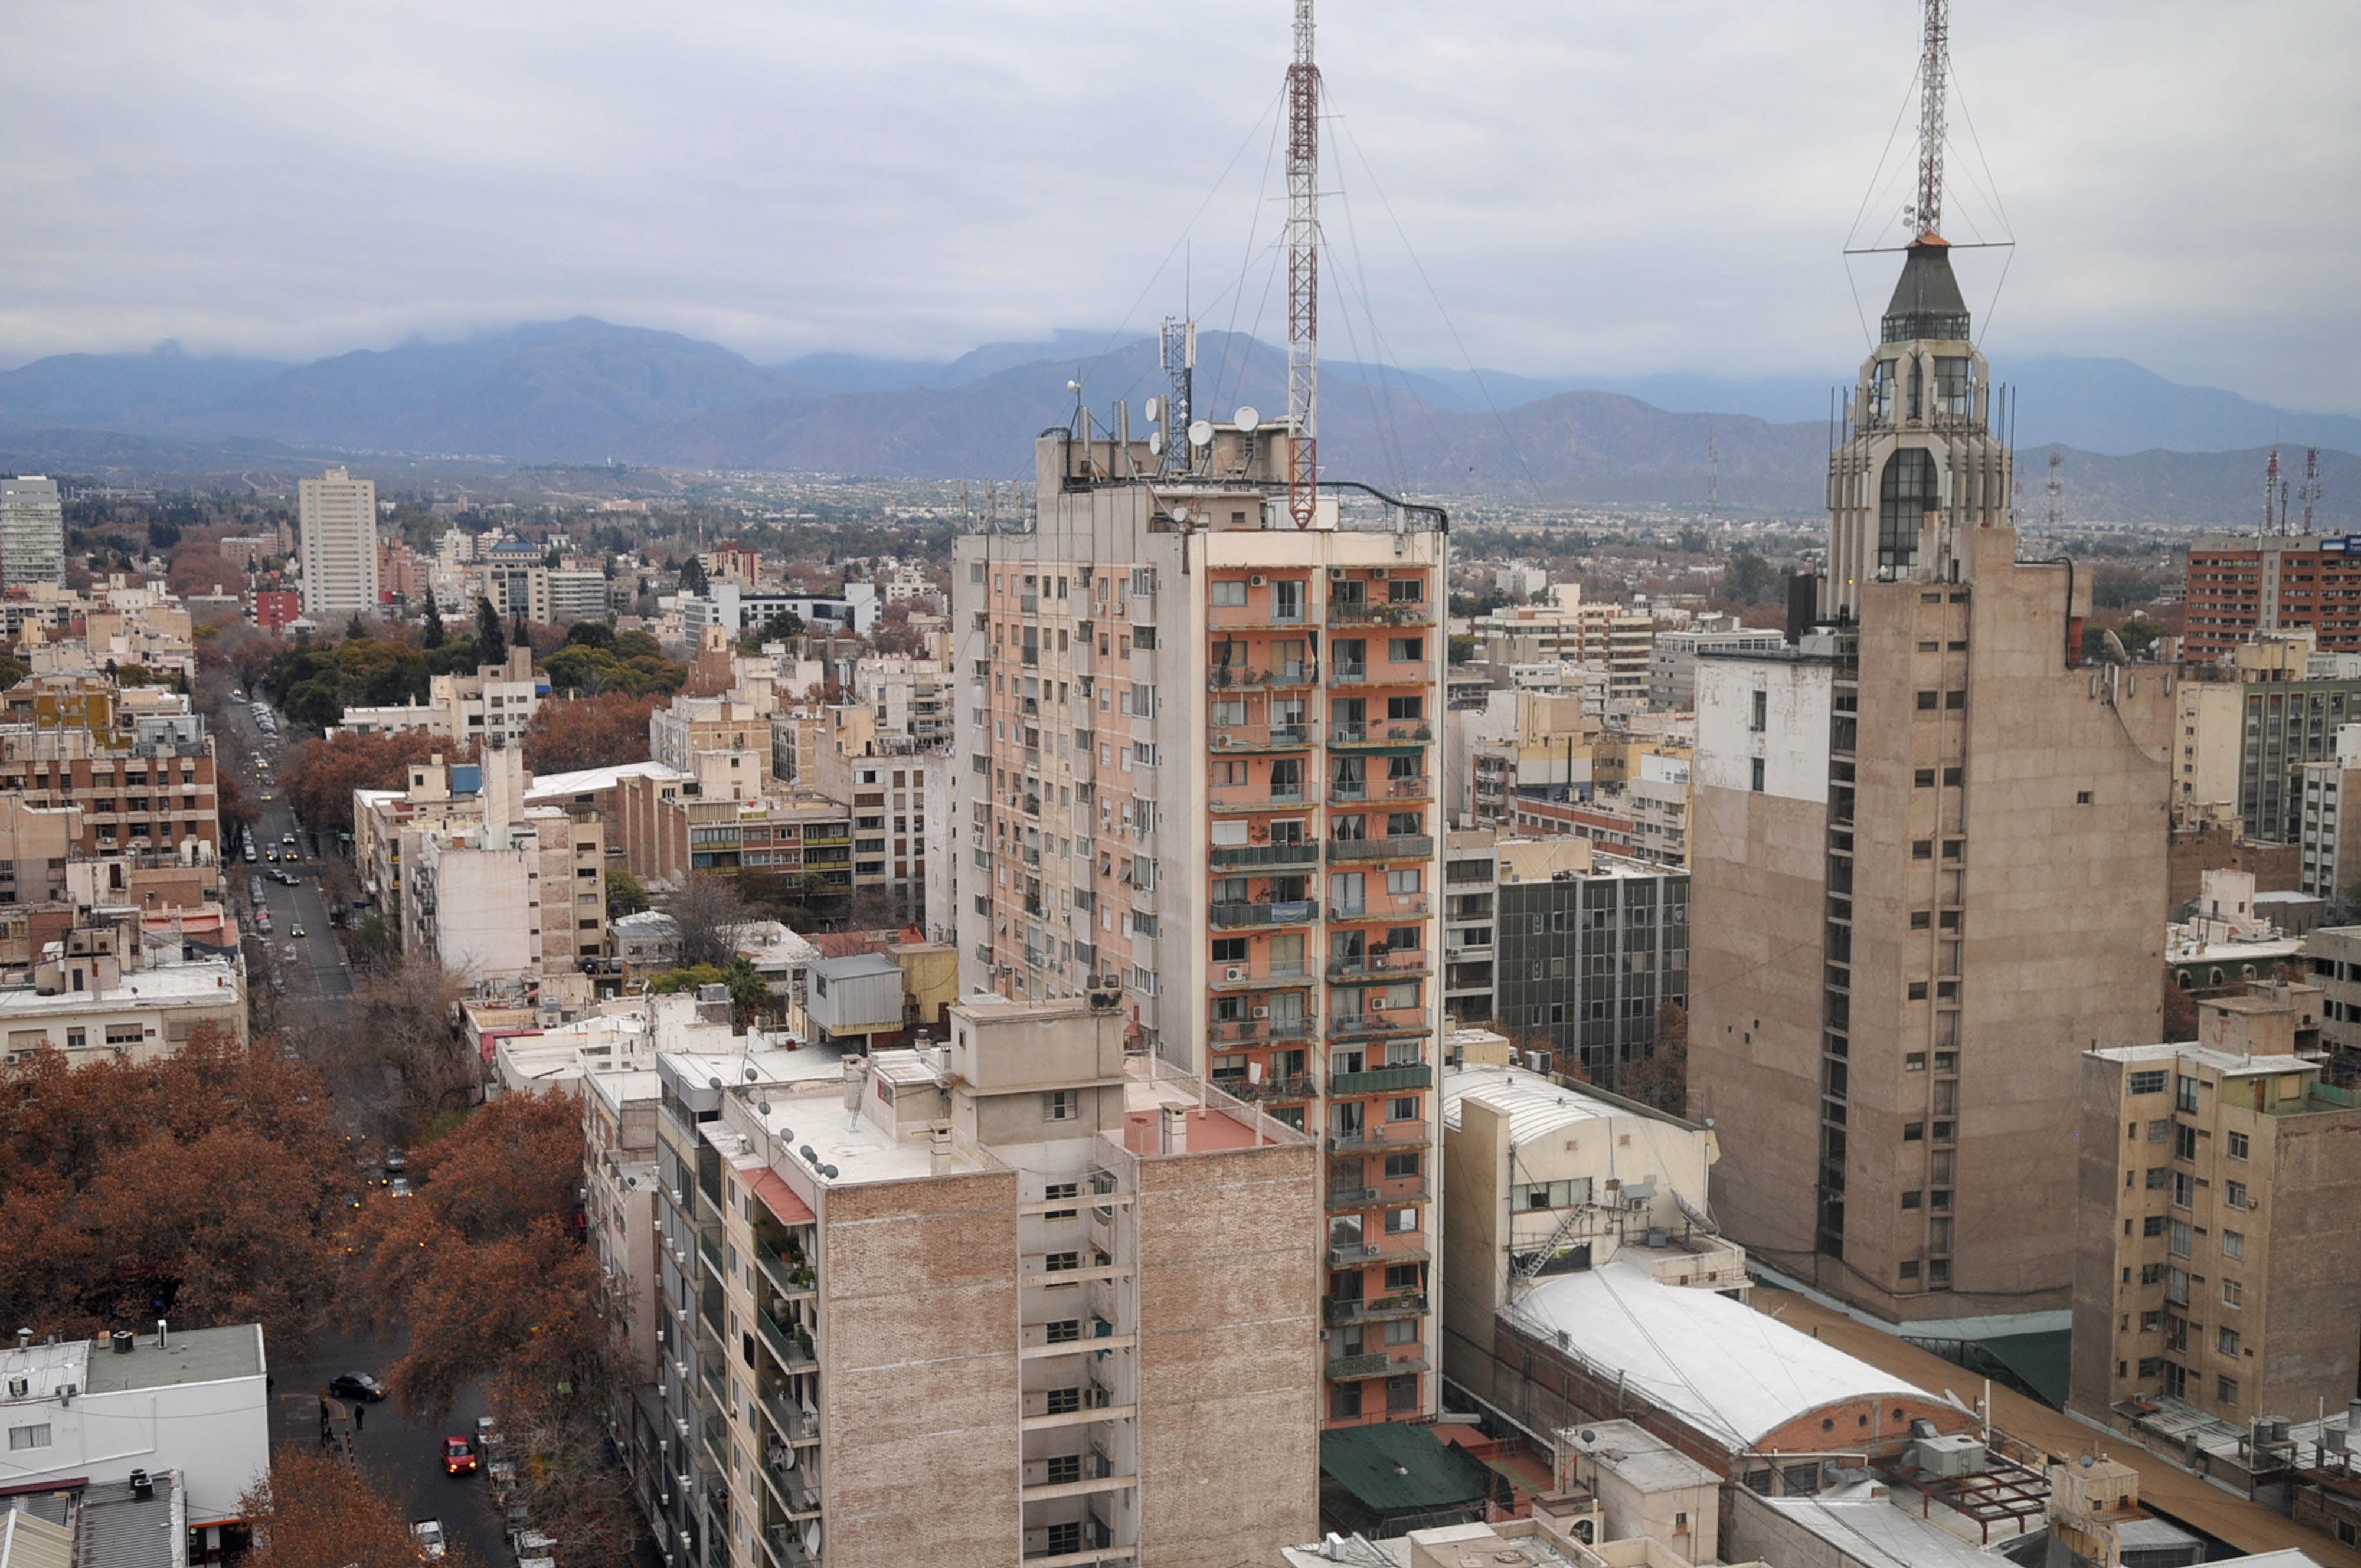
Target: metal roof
x=1535, y=1106
x=119, y=1531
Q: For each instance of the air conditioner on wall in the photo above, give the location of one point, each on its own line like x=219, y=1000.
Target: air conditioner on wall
x=1256, y=582
x=1262, y=1012
x=1234, y=972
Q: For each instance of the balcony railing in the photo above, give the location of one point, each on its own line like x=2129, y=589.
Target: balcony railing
x=1261, y=736
x=1410, y=788
x=1250, y=1031
x=1397, y=734
x=1412, y=613
x=1295, y=1087
x=1379, y=1024
x=1401, y=961
x=1400, y=1305
x=1239, y=677
x=1384, y=1136
x=789, y=1273
x=794, y=1346
x=1388, y=909
x=1294, y=912
x=1301, y=854
x=1383, y=1081
x=1399, y=847
x=794, y=1423
x=1411, y=1191
x=1377, y=1363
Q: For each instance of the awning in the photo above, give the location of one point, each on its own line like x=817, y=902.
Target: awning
x=780, y=1199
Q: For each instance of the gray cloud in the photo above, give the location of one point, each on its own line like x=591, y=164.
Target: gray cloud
x=1612, y=186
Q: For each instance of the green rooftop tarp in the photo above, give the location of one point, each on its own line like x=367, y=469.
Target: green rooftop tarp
x=1400, y=1475
x=2040, y=1359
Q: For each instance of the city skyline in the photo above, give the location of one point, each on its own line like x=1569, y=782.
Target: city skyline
x=1585, y=174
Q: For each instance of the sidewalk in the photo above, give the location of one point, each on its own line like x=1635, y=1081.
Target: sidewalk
x=2164, y=1486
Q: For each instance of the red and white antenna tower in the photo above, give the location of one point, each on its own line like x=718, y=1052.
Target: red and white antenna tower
x=1934, y=66
x=1302, y=274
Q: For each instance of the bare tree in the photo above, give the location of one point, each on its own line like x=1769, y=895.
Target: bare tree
x=708, y=910
x=397, y=1059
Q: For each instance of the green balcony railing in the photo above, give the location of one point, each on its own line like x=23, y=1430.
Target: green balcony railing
x=1382, y=1080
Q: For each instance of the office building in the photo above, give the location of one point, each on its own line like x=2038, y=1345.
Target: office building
x=1007, y=1296
x=2217, y=1264
x=2328, y=826
x=1468, y=898
x=1590, y=949
x=1927, y=851
x=32, y=532
x=336, y=520
x=1197, y=761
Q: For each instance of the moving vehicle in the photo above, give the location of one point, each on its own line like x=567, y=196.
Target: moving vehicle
x=430, y=1537
x=294, y=930
x=458, y=1457
x=287, y=837
x=271, y=855
x=356, y=1386
x=400, y=1188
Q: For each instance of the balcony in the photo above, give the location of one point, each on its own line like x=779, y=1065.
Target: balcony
x=1302, y=854
x=1405, y=1192
x=792, y=1346
x=1416, y=788
x=1401, y=734
x=1391, y=1023
x=1297, y=1087
x=1400, y=847
x=1258, y=1031
x=1403, y=962
x=1382, y=1080
x=1261, y=736
x=1349, y=1368
x=1294, y=912
x=1384, y=1136
x=1239, y=677
x=793, y=1422
x=1412, y=908
x=1406, y=1304
x=1411, y=612
x=1243, y=797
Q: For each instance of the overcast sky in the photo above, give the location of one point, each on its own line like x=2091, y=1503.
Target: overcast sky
x=1604, y=186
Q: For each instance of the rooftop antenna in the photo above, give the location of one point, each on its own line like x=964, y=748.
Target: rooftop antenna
x=1302, y=274
x=1933, y=65
x=2056, y=514
x=1176, y=351
x=1713, y=475
x=2310, y=491
x=2270, y=492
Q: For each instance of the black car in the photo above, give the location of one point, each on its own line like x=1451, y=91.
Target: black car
x=356, y=1386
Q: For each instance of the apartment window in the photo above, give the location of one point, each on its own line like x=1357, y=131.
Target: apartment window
x=1922, y=850
x=1066, y=1331
x=1063, y=1468
x=1401, y=1221
x=1061, y=1262
x=2159, y=1131
x=37, y=1436
x=1927, y=702
x=2233, y=1193
x=1345, y=1401
x=2159, y=1177
x=1754, y=781
x=2184, y=1190
x=2151, y=1227
x=1399, y=1166
x=1230, y=594
x=1914, y=1131
x=2184, y=1142
x=2233, y=1294
x=2151, y=1322
x=2225, y=1390
x=1920, y=920
x=1913, y=1200
x=1952, y=778
x=1923, y=779
x=2179, y=1235
x=2155, y=1082
x=1403, y=1109
x=1061, y=1191
x=1760, y=718
x=1061, y=1104
x=2185, y=1096
x=1910, y=1268
x=2237, y=1144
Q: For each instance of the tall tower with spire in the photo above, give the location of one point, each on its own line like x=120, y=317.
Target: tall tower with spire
x=1976, y=821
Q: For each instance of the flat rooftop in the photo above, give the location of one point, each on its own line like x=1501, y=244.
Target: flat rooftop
x=199, y=982
x=2229, y=1064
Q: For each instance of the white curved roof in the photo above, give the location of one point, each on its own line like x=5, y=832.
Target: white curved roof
x=1732, y=1373
x=1535, y=1106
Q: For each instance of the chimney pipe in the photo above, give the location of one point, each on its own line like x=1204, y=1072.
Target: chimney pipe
x=24, y=1338
x=160, y=1333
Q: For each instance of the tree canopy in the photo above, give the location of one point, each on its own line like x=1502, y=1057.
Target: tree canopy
x=632, y=663
x=588, y=732
x=320, y=778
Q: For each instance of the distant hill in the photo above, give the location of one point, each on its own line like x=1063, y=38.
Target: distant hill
x=585, y=392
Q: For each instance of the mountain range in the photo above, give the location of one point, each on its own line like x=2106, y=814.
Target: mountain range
x=2140, y=447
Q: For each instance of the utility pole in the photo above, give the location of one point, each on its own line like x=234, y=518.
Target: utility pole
x=1934, y=64
x=1302, y=274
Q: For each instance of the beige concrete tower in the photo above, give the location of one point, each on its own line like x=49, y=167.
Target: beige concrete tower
x=1929, y=871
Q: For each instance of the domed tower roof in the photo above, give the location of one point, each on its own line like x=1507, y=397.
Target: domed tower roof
x=1927, y=301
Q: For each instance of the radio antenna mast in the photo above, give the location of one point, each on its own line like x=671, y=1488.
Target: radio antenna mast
x=1933, y=65
x=2056, y=514
x=1302, y=274
x=2272, y=493
x=2310, y=491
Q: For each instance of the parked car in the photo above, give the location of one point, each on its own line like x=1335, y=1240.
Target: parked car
x=458, y=1457
x=356, y=1386
x=430, y=1537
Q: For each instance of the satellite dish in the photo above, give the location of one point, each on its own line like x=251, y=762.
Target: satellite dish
x=1201, y=433
x=750, y=1075
x=1073, y=386
x=1179, y=514
x=1155, y=410
x=714, y=1082
x=1155, y=444
x=763, y=1106
x=1247, y=417
x=787, y=1134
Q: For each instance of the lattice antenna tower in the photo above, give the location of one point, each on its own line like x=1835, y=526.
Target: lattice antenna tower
x=2272, y=493
x=1302, y=274
x=2310, y=491
x=2055, y=514
x=1934, y=68
x=1713, y=477
x=1176, y=349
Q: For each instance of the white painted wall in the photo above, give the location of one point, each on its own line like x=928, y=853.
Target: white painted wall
x=1794, y=741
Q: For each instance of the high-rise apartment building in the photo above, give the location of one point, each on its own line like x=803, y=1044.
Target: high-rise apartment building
x=32, y=531
x=1591, y=949
x=2216, y=1262
x=2239, y=585
x=1006, y=1297
x=1928, y=858
x=336, y=515
x=1197, y=761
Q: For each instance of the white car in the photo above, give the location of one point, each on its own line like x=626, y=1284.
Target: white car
x=429, y=1536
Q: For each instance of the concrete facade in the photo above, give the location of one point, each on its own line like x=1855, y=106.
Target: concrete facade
x=1894, y=982
x=32, y=532
x=336, y=519
x=2217, y=1261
